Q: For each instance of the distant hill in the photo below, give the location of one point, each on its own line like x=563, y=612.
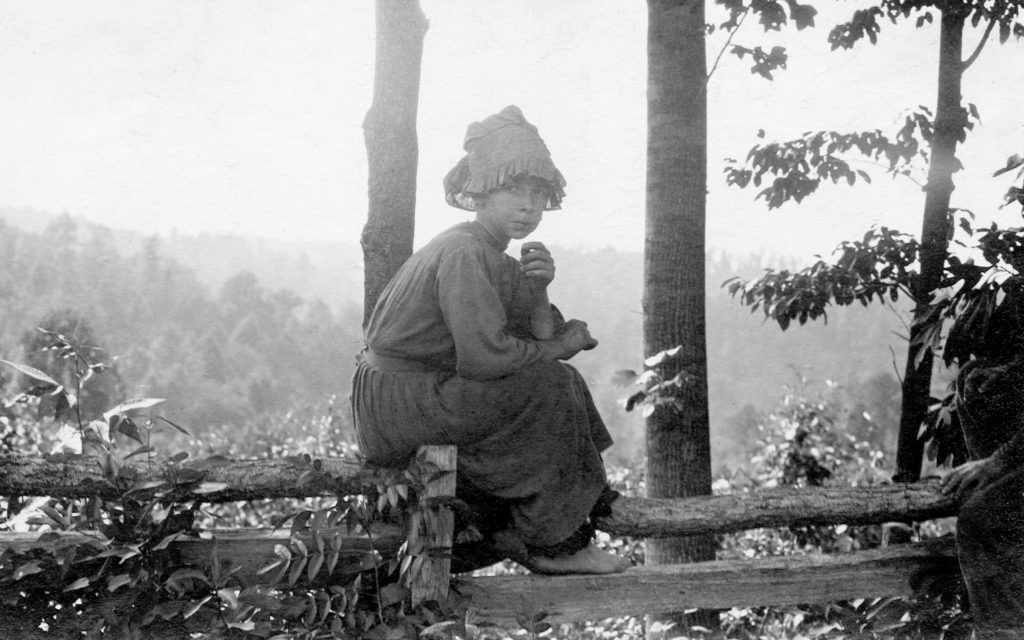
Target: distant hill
x=750, y=362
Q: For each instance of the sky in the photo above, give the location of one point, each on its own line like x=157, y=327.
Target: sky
x=245, y=116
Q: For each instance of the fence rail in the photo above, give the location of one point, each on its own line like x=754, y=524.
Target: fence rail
x=631, y=516
x=890, y=571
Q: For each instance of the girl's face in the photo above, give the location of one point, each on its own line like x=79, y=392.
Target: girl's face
x=513, y=211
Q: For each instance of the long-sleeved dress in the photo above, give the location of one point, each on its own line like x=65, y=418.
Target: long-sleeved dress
x=449, y=360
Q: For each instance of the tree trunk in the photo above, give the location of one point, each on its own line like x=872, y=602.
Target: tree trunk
x=678, y=442
x=949, y=128
x=678, y=439
x=392, y=150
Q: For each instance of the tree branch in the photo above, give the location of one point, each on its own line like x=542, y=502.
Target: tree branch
x=981, y=45
x=725, y=46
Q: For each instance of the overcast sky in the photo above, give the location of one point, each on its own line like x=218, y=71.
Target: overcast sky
x=246, y=116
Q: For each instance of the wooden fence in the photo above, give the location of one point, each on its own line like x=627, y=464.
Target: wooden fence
x=813, y=578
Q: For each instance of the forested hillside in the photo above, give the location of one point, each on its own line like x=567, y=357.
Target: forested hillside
x=220, y=355
x=236, y=330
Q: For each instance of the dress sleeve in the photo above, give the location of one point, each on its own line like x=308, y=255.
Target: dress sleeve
x=473, y=310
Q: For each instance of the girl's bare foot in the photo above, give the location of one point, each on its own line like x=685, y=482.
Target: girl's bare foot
x=590, y=560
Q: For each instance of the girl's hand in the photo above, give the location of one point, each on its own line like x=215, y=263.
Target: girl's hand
x=537, y=264
x=970, y=477
x=577, y=336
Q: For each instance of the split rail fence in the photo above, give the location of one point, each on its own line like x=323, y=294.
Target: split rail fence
x=766, y=581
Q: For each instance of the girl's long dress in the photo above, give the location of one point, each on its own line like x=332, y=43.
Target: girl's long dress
x=450, y=360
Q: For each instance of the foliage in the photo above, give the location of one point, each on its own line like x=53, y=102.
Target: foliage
x=798, y=167
x=819, y=437
x=865, y=23
x=807, y=441
x=772, y=16
x=656, y=390
x=97, y=551
x=219, y=357
x=978, y=311
x=880, y=266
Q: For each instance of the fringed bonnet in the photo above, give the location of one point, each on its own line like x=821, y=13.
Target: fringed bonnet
x=499, y=148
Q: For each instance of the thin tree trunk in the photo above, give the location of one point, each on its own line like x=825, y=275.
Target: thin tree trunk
x=391, y=145
x=949, y=128
x=678, y=440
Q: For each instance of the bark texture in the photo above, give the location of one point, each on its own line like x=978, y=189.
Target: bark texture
x=678, y=441
x=244, y=479
x=949, y=128
x=656, y=518
x=433, y=528
x=392, y=149
x=641, y=517
x=721, y=584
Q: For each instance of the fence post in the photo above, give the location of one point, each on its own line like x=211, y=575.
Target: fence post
x=432, y=528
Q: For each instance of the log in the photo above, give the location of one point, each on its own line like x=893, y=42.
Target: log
x=640, y=517
x=432, y=529
x=661, y=517
x=82, y=477
x=720, y=584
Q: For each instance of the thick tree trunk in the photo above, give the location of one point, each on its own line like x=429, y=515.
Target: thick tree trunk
x=949, y=128
x=391, y=145
x=678, y=442
x=678, y=439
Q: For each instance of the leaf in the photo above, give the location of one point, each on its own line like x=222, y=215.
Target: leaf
x=229, y=596
x=210, y=487
x=635, y=399
x=163, y=544
x=270, y=567
x=174, y=424
x=139, y=452
x=393, y=594
x=55, y=515
x=145, y=485
x=118, y=581
x=296, y=570
x=316, y=561
x=81, y=583
x=441, y=629
x=26, y=569
x=1012, y=163
x=802, y=14
x=130, y=406
x=195, y=606
x=662, y=356
x=189, y=574
x=125, y=426
x=32, y=372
